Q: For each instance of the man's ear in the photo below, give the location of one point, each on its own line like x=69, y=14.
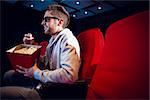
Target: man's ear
x=61, y=22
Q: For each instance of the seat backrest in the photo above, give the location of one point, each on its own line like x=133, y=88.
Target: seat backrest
x=43, y=49
x=124, y=71
x=91, y=43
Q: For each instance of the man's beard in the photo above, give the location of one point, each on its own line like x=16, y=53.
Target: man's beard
x=47, y=30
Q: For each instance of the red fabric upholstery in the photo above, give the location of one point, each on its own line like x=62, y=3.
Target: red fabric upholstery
x=91, y=43
x=43, y=49
x=124, y=71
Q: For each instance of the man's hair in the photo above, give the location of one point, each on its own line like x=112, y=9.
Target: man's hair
x=60, y=12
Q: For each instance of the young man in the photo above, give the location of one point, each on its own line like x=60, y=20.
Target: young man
x=62, y=54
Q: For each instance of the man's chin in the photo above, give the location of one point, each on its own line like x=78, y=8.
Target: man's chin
x=46, y=32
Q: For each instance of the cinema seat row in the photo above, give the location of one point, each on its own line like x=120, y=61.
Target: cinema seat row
x=124, y=66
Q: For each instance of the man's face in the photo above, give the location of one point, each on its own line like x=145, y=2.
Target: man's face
x=50, y=23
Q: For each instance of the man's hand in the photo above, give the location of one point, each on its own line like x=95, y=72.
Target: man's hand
x=28, y=39
x=28, y=72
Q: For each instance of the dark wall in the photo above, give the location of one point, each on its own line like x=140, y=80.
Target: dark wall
x=103, y=20
x=16, y=20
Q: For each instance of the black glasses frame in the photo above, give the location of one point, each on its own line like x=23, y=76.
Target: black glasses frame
x=47, y=19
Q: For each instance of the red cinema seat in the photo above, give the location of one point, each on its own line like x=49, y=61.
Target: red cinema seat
x=91, y=43
x=124, y=70
x=43, y=49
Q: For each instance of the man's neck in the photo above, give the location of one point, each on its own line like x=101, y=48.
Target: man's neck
x=55, y=35
x=58, y=31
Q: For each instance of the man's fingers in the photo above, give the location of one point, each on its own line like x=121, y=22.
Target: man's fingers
x=20, y=67
x=28, y=72
x=20, y=71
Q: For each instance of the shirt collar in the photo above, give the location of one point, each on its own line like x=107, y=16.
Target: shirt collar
x=64, y=31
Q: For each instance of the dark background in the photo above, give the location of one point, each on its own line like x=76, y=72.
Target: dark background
x=16, y=20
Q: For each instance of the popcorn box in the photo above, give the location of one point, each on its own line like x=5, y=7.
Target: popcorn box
x=23, y=55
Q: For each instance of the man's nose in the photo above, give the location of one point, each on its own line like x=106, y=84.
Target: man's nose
x=42, y=23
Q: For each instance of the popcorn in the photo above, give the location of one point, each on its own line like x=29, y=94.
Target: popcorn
x=24, y=55
x=26, y=50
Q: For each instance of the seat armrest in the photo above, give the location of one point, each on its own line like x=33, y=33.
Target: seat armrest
x=63, y=90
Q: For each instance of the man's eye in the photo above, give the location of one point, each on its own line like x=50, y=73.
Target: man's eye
x=46, y=19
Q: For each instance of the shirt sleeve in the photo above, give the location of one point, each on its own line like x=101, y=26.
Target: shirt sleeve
x=68, y=73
